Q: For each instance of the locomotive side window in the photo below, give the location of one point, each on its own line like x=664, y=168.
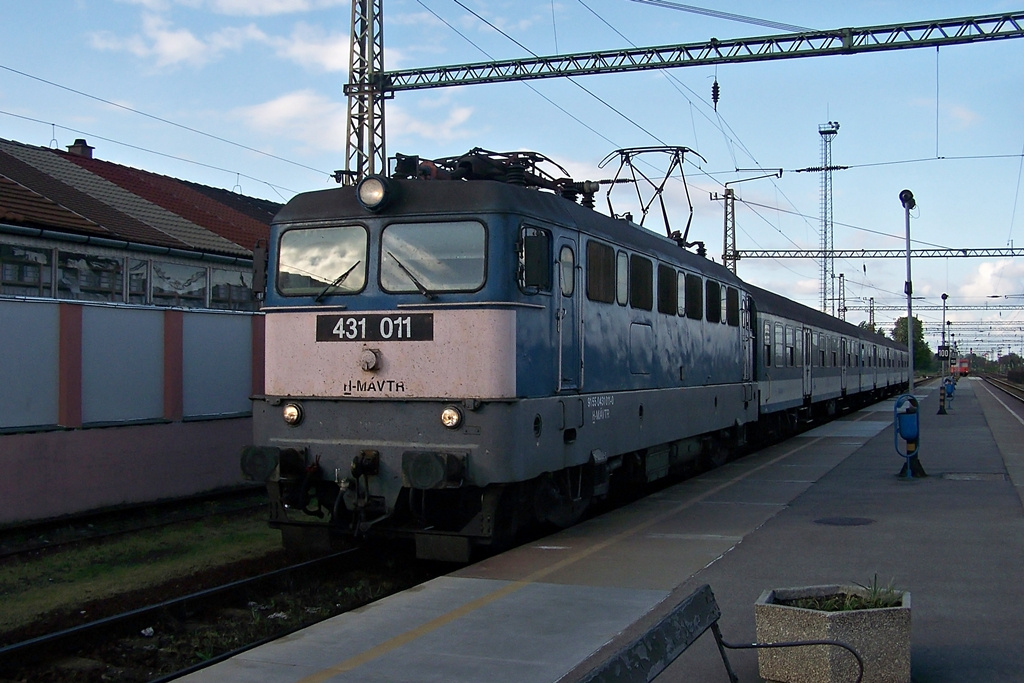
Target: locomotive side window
x=714, y=301
x=600, y=272
x=667, y=291
x=732, y=306
x=322, y=261
x=622, y=278
x=721, y=304
x=446, y=256
x=567, y=270
x=535, y=260
x=641, y=283
x=694, y=297
x=681, y=293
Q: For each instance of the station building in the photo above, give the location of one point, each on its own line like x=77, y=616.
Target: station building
x=130, y=338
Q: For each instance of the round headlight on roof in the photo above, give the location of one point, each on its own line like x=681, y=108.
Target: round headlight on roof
x=373, y=192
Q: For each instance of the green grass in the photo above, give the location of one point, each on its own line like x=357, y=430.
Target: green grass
x=65, y=579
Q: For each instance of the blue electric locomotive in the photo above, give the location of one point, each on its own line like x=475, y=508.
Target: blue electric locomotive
x=465, y=348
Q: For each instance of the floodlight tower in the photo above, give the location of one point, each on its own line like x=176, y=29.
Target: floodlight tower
x=827, y=131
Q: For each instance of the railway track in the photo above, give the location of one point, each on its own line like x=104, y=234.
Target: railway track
x=1010, y=388
x=168, y=639
x=23, y=539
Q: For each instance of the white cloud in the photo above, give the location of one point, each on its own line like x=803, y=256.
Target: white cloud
x=995, y=278
x=318, y=122
x=306, y=116
x=169, y=46
x=311, y=46
x=244, y=8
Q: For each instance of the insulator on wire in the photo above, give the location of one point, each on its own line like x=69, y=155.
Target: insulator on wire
x=716, y=92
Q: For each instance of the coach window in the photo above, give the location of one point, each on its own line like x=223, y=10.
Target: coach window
x=780, y=348
x=668, y=299
x=694, y=297
x=641, y=283
x=732, y=306
x=767, y=345
x=622, y=278
x=600, y=272
x=535, y=260
x=822, y=347
x=321, y=261
x=713, y=301
x=790, y=346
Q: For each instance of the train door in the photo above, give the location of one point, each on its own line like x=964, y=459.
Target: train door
x=844, y=362
x=568, y=317
x=747, y=334
x=807, y=361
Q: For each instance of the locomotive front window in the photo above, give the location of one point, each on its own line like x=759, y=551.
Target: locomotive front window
x=447, y=256
x=322, y=261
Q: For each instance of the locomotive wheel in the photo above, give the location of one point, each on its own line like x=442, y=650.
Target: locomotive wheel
x=553, y=504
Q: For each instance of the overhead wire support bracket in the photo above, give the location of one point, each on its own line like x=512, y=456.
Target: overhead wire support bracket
x=842, y=41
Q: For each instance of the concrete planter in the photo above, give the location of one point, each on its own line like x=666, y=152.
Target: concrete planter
x=881, y=637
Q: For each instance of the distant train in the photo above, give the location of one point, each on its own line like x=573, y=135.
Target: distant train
x=467, y=347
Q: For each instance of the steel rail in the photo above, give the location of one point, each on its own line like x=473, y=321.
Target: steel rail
x=29, y=650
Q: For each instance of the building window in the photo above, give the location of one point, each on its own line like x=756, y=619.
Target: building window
x=600, y=272
x=231, y=290
x=641, y=283
x=89, y=278
x=175, y=284
x=25, y=271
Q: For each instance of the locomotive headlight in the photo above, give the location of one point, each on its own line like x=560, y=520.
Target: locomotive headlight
x=373, y=192
x=292, y=413
x=451, y=417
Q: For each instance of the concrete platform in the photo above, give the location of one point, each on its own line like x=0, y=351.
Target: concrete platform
x=550, y=610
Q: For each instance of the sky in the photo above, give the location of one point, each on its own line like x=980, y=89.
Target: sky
x=248, y=95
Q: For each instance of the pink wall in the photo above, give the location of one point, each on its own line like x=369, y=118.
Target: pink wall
x=49, y=474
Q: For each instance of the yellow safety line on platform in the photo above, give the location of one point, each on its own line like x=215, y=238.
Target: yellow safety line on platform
x=436, y=623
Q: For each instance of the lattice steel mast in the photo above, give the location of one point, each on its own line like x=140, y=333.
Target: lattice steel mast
x=827, y=131
x=365, y=152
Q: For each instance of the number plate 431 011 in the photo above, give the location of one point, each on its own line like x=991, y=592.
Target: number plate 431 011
x=375, y=327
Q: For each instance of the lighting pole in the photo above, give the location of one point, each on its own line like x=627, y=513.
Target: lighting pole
x=907, y=200
x=944, y=348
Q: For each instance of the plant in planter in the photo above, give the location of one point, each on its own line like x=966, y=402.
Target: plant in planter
x=874, y=620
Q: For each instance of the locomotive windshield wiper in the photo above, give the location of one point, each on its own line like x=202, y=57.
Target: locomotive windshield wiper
x=337, y=281
x=419, y=285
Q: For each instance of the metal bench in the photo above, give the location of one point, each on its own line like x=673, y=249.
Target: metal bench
x=650, y=654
